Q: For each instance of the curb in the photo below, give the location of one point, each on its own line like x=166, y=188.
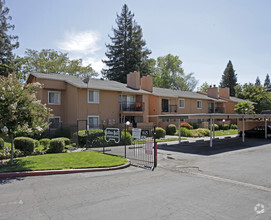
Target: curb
x=55, y=172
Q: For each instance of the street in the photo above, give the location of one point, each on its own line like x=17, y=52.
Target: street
x=230, y=184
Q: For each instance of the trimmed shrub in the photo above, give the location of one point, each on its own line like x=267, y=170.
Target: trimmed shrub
x=215, y=127
x=186, y=132
x=25, y=144
x=2, y=143
x=63, y=132
x=233, y=126
x=57, y=145
x=129, y=138
x=160, y=133
x=45, y=142
x=171, y=129
x=93, y=135
x=194, y=125
x=67, y=141
x=203, y=131
x=186, y=125
x=225, y=127
x=37, y=143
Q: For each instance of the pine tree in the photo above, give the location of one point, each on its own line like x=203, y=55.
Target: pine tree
x=267, y=83
x=258, y=81
x=7, y=42
x=229, y=79
x=127, y=53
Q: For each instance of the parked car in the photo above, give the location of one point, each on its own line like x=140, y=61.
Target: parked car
x=258, y=131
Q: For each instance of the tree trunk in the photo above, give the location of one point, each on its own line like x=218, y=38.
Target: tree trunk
x=12, y=151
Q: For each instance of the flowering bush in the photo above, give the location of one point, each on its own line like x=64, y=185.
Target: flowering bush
x=186, y=125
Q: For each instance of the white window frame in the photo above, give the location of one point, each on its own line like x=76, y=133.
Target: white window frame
x=183, y=103
x=199, y=101
x=98, y=96
x=93, y=116
x=58, y=92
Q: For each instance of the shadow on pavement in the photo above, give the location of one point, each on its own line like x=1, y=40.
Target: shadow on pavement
x=10, y=180
x=219, y=146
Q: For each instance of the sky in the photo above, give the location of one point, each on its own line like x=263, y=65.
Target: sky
x=205, y=34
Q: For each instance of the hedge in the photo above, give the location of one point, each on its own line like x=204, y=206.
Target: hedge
x=25, y=144
x=57, y=145
x=45, y=142
x=2, y=143
x=171, y=129
x=160, y=133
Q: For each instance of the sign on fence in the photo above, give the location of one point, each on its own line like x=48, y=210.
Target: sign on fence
x=148, y=147
x=136, y=133
x=112, y=134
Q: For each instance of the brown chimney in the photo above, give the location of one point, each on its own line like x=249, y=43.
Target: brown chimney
x=224, y=93
x=133, y=80
x=146, y=83
x=213, y=92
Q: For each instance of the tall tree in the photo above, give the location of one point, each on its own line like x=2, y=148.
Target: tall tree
x=267, y=83
x=51, y=61
x=170, y=74
x=7, y=42
x=258, y=81
x=229, y=79
x=204, y=87
x=128, y=52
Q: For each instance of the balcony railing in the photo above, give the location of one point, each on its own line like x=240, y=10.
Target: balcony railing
x=170, y=108
x=217, y=110
x=132, y=106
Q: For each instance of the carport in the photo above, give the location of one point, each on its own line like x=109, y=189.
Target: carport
x=211, y=117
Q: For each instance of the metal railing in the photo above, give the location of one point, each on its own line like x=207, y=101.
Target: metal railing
x=170, y=108
x=132, y=106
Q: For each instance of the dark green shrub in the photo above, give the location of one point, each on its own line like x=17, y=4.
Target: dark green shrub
x=186, y=132
x=37, y=143
x=63, y=132
x=2, y=143
x=129, y=138
x=67, y=141
x=233, y=126
x=57, y=145
x=24, y=144
x=171, y=129
x=225, y=127
x=93, y=135
x=45, y=142
x=160, y=133
x=194, y=125
x=215, y=127
x=203, y=132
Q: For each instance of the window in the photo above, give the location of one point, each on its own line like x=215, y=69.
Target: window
x=199, y=104
x=93, y=121
x=93, y=96
x=181, y=103
x=54, y=97
x=165, y=105
x=55, y=121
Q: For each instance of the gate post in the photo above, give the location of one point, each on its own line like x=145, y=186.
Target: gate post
x=155, y=147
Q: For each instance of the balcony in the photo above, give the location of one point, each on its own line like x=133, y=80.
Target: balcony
x=217, y=110
x=170, y=108
x=132, y=106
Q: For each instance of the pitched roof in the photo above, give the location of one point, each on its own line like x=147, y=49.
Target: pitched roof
x=234, y=99
x=92, y=84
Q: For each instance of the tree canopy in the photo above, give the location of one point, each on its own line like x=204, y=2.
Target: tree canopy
x=51, y=61
x=244, y=108
x=267, y=83
x=127, y=52
x=258, y=81
x=204, y=87
x=229, y=78
x=8, y=42
x=169, y=73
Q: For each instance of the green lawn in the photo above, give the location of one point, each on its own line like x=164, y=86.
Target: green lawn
x=225, y=132
x=85, y=159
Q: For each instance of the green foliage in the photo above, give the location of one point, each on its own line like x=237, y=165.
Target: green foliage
x=204, y=87
x=37, y=143
x=2, y=143
x=67, y=141
x=257, y=94
x=224, y=127
x=57, y=145
x=186, y=125
x=267, y=83
x=244, y=108
x=185, y=132
x=258, y=81
x=233, y=126
x=5, y=154
x=25, y=144
x=215, y=127
x=160, y=132
x=8, y=42
x=51, y=61
x=169, y=74
x=127, y=53
x=45, y=142
x=201, y=132
x=171, y=129
x=229, y=79
x=194, y=125
x=63, y=131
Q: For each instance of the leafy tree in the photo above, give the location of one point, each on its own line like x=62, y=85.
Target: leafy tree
x=258, y=81
x=257, y=94
x=20, y=111
x=267, y=83
x=50, y=61
x=244, y=108
x=170, y=74
x=127, y=53
x=204, y=87
x=7, y=42
x=229, y=79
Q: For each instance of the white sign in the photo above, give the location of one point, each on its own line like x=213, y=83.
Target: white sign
x=136, y=133
x=148, y=147
x=112, y=134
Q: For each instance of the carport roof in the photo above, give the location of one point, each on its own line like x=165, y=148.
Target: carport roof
x=212, y=115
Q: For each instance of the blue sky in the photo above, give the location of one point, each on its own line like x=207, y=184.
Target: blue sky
x=205, y=34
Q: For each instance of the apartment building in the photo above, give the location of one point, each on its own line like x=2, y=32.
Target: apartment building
x=110, y=103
